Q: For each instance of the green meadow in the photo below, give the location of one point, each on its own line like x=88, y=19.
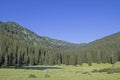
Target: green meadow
x=67, y=72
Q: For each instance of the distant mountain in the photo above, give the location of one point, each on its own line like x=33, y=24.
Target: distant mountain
x=22, y=33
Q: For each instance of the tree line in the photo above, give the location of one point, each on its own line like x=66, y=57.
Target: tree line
x=19, y=46
x=15, y=52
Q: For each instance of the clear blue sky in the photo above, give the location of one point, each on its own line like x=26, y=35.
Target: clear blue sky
x=75, y=21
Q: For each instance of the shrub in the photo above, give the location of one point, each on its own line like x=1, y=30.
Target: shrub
x=108, y=70
x=32, y=76
x=94, y=70
x=46, y=75
x=104, y=70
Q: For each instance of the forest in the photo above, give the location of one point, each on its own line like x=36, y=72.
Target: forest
x=20, y=46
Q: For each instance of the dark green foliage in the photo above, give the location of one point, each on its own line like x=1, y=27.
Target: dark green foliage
x=19, y=46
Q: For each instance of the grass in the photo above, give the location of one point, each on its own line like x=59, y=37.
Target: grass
x=66, y=73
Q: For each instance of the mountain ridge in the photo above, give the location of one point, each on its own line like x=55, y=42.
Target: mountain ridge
x=27, y=35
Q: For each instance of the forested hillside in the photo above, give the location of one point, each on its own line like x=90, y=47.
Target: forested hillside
x=20, y=46
x=24, y=34
x=105, y=50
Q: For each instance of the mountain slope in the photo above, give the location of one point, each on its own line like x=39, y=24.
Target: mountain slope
x=22, y=33
x=105, y=50
x=19, y=46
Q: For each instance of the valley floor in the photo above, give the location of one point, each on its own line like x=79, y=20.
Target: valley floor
x=65, y=73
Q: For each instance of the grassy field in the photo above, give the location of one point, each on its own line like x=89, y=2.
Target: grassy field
x=65, y=73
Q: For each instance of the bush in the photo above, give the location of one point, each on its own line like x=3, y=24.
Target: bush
x=108, y=70
x=104, y=70
x=46, y=75
x=94, y=70
x=32, y=76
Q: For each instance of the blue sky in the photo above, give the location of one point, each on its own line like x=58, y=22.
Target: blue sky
x=78, y=21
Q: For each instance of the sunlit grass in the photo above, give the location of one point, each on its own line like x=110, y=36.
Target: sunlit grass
x=66, y=73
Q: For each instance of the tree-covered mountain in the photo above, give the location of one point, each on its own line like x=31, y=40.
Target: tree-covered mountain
x=22, y=33
x=20, y=46
x=104, y=50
